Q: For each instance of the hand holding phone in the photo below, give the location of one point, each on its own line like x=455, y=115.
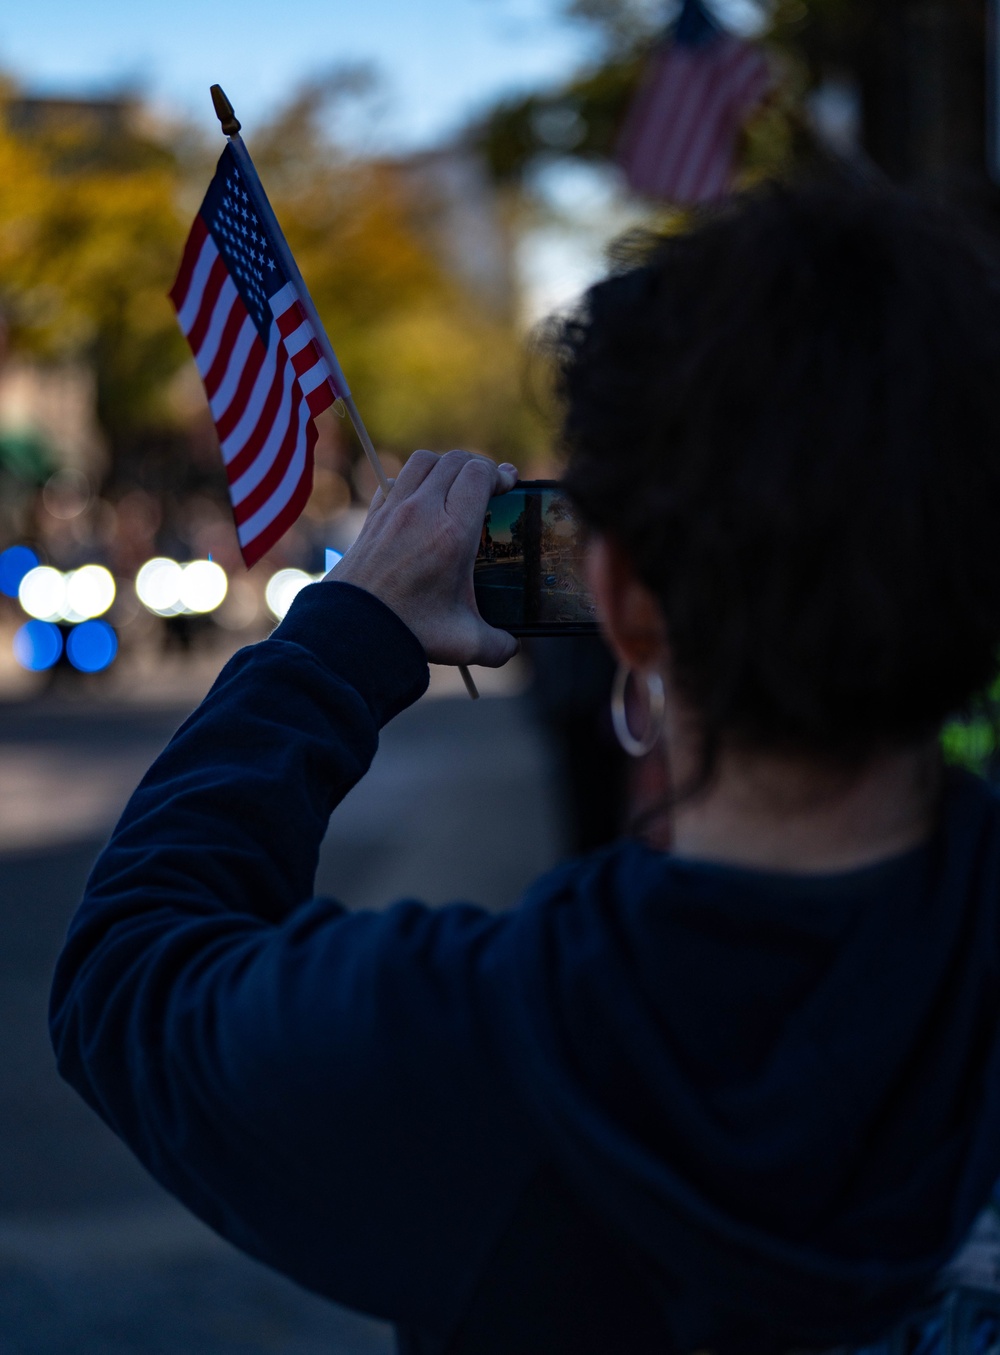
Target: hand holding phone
x=415, y=552
x=530, y=570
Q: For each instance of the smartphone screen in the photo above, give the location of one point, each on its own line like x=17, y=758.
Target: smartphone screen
x=529, y=573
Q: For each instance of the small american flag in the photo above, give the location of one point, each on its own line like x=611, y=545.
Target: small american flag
x=258, y=357
x=680, y=133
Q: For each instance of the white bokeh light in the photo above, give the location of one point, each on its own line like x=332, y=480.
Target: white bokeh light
x=203, y=586
x=90, y=591
x=158, y=585
x=283, y=587
x=42, y=593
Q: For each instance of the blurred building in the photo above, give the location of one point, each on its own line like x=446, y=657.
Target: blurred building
x=48, y=413
x=104, y=119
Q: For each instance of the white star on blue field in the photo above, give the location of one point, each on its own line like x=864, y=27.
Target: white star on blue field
x=242, y=239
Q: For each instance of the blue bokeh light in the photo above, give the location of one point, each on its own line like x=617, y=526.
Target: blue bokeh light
x=91, y=646
x=15, y=562
x=37, y=645
x=333, y=557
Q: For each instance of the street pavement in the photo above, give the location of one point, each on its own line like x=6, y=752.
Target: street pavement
x=95, y=1259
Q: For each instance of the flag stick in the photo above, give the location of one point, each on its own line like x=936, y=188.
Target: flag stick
x=231, y=127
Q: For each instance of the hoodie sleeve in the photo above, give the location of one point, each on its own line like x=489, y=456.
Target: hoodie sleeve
x=312, y=1083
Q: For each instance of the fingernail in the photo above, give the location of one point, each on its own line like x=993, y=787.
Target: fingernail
x=507, y=465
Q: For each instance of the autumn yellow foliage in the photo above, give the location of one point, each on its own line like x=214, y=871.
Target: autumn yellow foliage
x=92, y=224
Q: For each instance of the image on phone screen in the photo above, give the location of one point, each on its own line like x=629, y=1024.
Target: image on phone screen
x=529, y=575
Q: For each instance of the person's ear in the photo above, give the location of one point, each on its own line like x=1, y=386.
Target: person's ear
x=630, y=616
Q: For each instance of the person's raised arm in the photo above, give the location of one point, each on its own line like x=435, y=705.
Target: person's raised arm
x=217, y=1017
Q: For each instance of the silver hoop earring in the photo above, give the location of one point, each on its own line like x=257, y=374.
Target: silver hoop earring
x=636, y=747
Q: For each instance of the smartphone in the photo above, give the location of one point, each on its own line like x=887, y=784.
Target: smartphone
x=529, y=573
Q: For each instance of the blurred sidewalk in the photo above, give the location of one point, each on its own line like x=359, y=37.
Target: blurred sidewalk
x=94, y=1258
x=56, y=786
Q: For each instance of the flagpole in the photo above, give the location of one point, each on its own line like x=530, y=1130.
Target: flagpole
x=231, y=127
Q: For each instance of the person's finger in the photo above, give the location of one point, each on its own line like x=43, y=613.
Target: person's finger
x=378, y=498
x=419, y=465
x=448, y=468
x=471, y=489
x=451, y=464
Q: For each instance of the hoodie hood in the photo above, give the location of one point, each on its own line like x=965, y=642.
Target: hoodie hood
x=782, y=1089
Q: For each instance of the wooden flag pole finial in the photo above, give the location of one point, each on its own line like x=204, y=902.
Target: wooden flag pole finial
x=225, y=112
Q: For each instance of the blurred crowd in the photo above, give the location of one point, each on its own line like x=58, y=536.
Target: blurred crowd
x=91, y=578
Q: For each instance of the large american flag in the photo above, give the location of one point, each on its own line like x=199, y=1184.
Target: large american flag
x=679, y=137
x=258, y=357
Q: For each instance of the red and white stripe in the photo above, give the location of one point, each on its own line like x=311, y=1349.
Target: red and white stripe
x=263, y=400
x=680, y=134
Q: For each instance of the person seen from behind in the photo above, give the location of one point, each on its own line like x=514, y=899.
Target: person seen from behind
x=741, y=1095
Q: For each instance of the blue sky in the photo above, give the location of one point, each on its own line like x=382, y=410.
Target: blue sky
x=442, y=59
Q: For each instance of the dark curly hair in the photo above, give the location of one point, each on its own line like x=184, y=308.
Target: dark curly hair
x=789, y=419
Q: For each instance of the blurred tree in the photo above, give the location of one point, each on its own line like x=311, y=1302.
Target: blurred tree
x=428, y=360
x=579, y=118
x=622, y=25
x=95, y=203
x=89, y=231
x=917, y=68
x=921, y=71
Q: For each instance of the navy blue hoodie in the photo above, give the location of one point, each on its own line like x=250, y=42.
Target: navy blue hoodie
x=661, y=1105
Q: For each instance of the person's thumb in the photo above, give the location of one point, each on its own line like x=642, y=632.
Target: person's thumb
x=494, y=647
